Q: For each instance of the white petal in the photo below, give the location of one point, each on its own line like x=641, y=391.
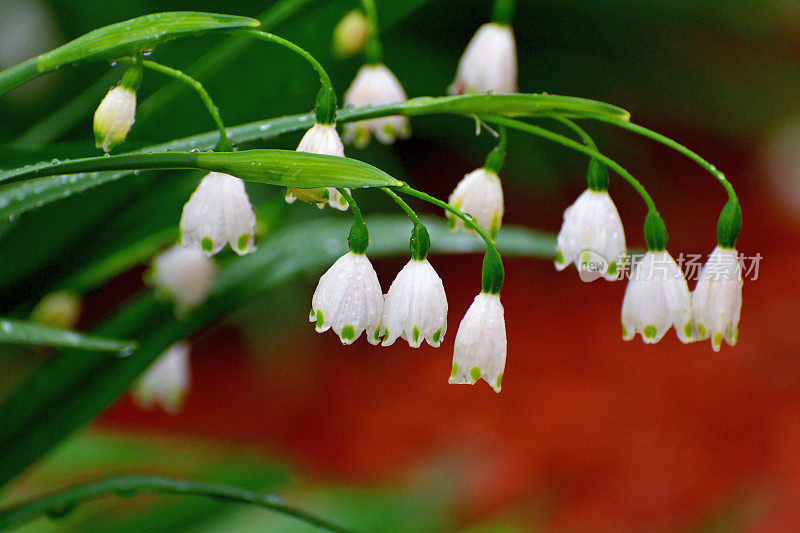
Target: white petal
x=656, y=298
x=219, y=212
x=592, y=224
x=415, y=308
x=349, y=299
x=166, y=381
x=114, y=117
x=489, y=63
x=324, y=139
x=375, y=85
x=479, y=194
x=480, y=345
x=717, y=298
x=185, y=274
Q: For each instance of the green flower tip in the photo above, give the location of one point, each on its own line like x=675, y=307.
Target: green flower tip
x=655, y=232
x=729, y=224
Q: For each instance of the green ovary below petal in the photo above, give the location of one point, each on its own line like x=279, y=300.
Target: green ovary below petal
x=348, y=333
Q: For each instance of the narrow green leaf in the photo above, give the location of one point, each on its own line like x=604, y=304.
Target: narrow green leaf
x=68, y=391
x=120, y=40
x=517, y=105
x=68, y=499
x=286, y=168
x=21, y=332
x=17, y=199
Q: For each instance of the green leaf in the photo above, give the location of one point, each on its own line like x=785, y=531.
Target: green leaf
x=21, y=332
x=68, y=391
x=120, y=40
x=17, y=199
x=67, y=500
x=516, y=105
x=286, y=168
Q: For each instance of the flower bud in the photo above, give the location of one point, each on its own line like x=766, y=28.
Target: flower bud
x=58, y=309
x=114, y=117
x=350, y=34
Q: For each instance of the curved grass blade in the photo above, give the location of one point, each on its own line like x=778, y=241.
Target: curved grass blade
x=274, y=167
x=65, y=501
x=22, y=332
x=122, y=39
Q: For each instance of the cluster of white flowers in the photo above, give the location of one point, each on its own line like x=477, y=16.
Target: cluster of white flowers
x=657, y=296
x=349, y=300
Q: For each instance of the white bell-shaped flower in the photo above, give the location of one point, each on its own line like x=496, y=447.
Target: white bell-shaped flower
x=592, y=236
x=349, y=300
x=479, y=194
x=656, y=298
x=321, y=139
x=415, y=308
x=219, y=212
x=489, y=63
x=184, y=274
x=114, y=117
x=166, y=381
x=480, y=346
x=375, y=85
x=717, y=298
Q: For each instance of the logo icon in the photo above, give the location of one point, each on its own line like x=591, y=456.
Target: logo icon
x=592, y=266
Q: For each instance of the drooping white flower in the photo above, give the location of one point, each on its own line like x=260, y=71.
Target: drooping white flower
x=717, y=298
x=480, y=346
x=656, y=298
x=375, y=85
x=479, y=194
x=349, y=300
x=184, y=274
x=114, y=117
x=415, y=308
x=489, y=63
x=321, y=139
x=592, y=236
x=166, y=381
x=219, y=212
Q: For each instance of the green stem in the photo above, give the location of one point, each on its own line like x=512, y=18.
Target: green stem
x=587, y=140
x=224, y=144
x=324, y=79
x=569, y=143
x=357, y=217
x=358, y=240
x=468, y=220
x=404, y=206
x=420, y=243
x=374, y=50
x=61, y=503
x=641, y=130
x=15, y=76
x=219, y=55
x=502, y=11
